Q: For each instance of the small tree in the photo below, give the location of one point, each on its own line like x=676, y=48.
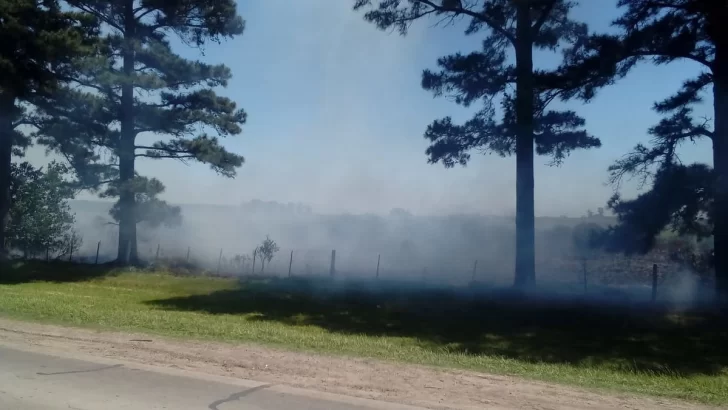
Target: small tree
x=40, y=218
x=266, y=251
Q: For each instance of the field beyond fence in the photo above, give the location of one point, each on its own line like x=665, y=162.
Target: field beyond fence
x=647, y=277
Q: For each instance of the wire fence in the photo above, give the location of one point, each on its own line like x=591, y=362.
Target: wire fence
x=648, y=272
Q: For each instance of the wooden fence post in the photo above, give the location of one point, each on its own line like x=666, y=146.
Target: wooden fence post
x=156, y=256
x=188, y=254
x=290, y=264
x=255, y=253
x=379, y=258
x=219, y=260
x=70, y=254
x=128, y=251
x=98, y=248
x=475, y=267
x=332, y=268
x=654, y=282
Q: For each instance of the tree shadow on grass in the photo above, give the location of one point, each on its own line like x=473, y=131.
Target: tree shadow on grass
x=17, y=272
x=626, y=338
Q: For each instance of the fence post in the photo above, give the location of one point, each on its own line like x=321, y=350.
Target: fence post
x=290, y=264
x=70, y=254
x=128, y=251
x=379, y=258
x=654, y=282
x=156, y=256
x=475, y=267
x=219, y=260
x=332, y=268
x=188, y=254
x=98, y=247
x=255, y=253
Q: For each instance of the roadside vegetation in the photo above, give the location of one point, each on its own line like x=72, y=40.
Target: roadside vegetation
x=635, y=349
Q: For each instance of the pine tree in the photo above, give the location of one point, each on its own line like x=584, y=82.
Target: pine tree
x=690, y=198
x=525, y=122
x=138, y=85
x=39, y=42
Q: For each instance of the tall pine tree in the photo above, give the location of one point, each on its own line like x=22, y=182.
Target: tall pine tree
x=138, y=85
x=690, y=198
x=525, y=124
x=39, y=42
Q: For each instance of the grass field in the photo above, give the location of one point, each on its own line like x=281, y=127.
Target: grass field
x=636, y=349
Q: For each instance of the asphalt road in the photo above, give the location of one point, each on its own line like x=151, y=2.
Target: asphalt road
x=30, y=380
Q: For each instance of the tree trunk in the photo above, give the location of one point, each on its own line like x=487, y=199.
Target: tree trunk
x=127, y=201
x=525, y=221
x=720, y=164
x=7, y=108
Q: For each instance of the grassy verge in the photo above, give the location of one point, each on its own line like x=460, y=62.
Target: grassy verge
x=679, y=356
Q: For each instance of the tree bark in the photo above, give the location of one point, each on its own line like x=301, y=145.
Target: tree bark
x=525, y=219
x=7, y=108
x=720, y=164
x=127, y=200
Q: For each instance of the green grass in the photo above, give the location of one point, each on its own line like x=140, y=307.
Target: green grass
x=633, y=350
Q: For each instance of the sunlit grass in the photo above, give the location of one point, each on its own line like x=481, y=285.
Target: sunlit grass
x=224, y=310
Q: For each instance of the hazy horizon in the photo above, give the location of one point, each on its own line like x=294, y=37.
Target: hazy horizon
x=183, y=205
x=442, y=247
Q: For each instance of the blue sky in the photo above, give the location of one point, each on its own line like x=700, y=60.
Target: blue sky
x=336, y=117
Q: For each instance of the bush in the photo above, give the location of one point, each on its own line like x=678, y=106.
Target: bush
x=40, y=217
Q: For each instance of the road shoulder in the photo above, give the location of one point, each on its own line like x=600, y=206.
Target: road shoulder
x=312, y=374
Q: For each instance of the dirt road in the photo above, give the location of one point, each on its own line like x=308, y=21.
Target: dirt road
x=397, y=383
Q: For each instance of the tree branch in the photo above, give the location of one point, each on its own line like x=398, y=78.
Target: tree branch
x=173, y=156
x=158, y=149
x=153, y=152
x=479, y=16
x=542, y=18
x=98, y=15
x=141, y=16
x=657, y=54
x=25, y=121
x=662, y=4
